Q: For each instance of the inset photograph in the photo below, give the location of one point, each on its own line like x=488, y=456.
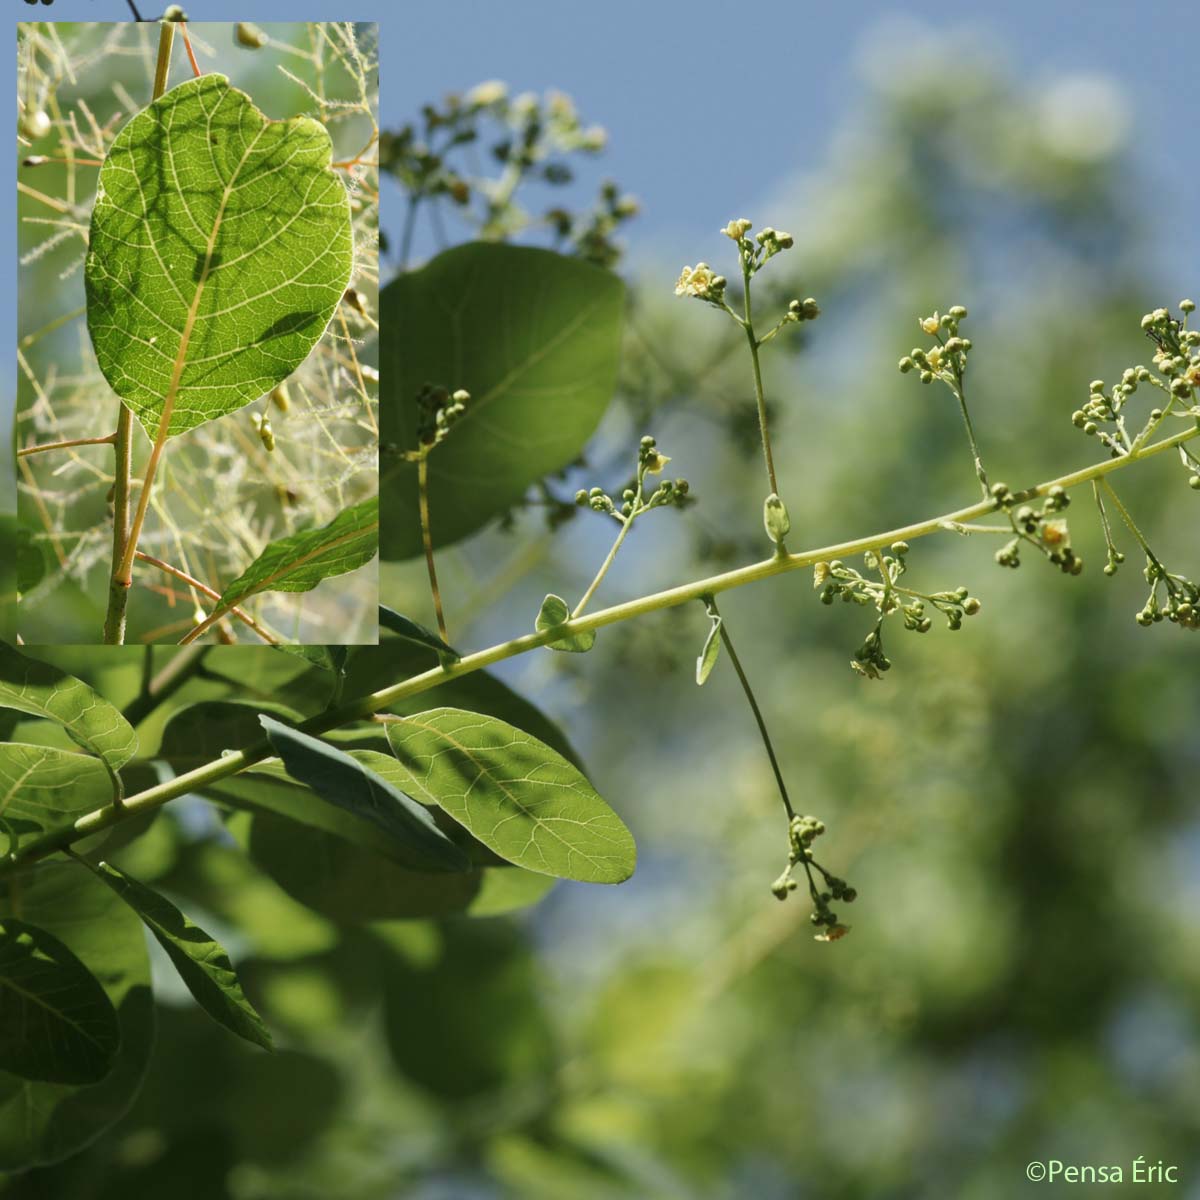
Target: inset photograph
x=197, y=395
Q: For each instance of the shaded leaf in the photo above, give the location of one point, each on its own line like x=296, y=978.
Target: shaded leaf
x=410, y=630
x=473, y=1022
x=554, y=612
x=328, y=658
x=534, y=337
x=344, y=782
x=43, y=1122
x=201, y=962
x=515, y=794
x=299, y=562
x=41, y=690
x=56, y=1022
x=201, y=732
x=350, y=883
x=220, y=246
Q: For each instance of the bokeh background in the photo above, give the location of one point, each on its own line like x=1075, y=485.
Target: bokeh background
x=1015, y=802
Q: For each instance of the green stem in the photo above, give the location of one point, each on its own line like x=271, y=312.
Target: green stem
x=1127, y=517
x=626, y=525
x=118, y=589
x=758, y=717
x=748, y=325
x=366, y=706
x=120, y=582
x=980, y=473
x=427, y=542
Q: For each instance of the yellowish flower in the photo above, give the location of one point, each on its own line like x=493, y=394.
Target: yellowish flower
x=935, y=358
x=490, y=92
x=736, y=230
x=931, y=324
x=700, y=281
x=832, y=933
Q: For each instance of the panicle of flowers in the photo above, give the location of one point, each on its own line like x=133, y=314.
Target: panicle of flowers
x=1174, y=372
x=802, y=832
x=1041, y=527
x=946, y=360
x=883, y=591
x=634, y=501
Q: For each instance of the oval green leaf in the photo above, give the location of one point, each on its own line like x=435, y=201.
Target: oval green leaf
x=42, y=690
x=220, y=246
x=202, y=963
x=515, y=794
x=554, y=612
x=56, y=1022
x=534, y=337
x=41, y=787
x=299, y=562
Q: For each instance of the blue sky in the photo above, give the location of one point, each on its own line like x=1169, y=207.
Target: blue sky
x=710, y=106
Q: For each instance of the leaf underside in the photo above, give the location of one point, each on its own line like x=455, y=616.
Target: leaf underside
x=220, y=246
x=534, y=337
x=56, y=1023
x=201, y=962
x=43, y=690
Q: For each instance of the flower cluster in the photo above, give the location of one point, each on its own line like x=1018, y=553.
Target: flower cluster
x=634, y=501
x=1181, y=598
x=947, y=360
x=702, y=282
x=438, y=411
x=1174, y=371
x=532, y=139
x=883, y=591
x=1042, y=527
x=802, y=832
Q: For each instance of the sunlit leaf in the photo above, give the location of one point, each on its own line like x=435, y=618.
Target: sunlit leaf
x=56, y=1022
x=201, y=962
x=41, y=787
x=515, y=794
x=44, y=691
x=299, y=562
x=712, y=647
x=554, y=612
x=220, y=246
x=534, y=337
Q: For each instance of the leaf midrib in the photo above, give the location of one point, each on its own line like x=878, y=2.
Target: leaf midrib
x=508, y=795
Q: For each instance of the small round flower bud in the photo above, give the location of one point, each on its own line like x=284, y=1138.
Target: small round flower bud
x=958, y=312
x=250, y=36
x=971, y=605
